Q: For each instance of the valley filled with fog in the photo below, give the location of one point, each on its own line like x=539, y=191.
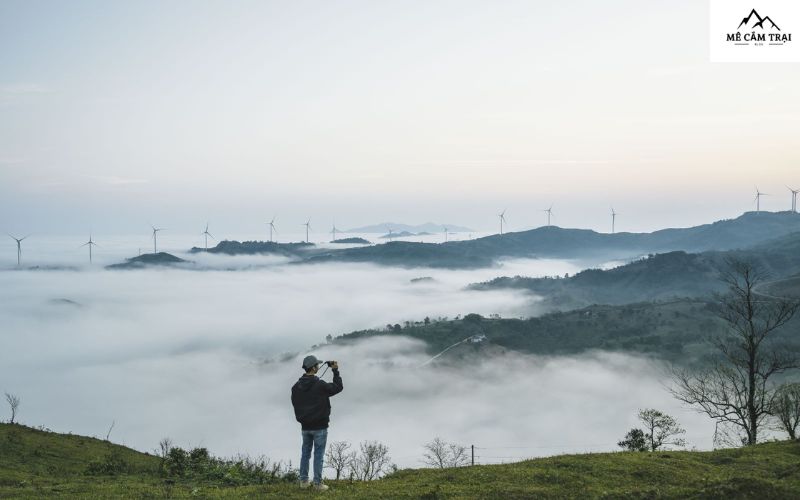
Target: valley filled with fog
x=207, y=358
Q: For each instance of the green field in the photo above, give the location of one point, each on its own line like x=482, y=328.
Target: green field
x=40, y=464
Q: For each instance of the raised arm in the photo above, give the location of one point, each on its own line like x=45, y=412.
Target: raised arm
x=336, y=386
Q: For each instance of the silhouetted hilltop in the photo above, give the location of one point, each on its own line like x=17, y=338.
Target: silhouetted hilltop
x=401, y=234
x=149, y=259
x=745, y=231
x=360, y=241
x=232, y=247
x=406, y=254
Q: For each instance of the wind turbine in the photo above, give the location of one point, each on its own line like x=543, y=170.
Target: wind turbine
x=206, y=234
x=19, y=247
x=390, y=234
x=759, y=194
x=502, y=216
x=90, y=244
x=549, y=213
x=155, y=237
x=613, y=220
x=333, y=230
x=271, y=225
x=794, y=198
x=308, y=226
x=445, y=235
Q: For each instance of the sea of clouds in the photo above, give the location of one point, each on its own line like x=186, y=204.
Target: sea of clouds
x=201, y=357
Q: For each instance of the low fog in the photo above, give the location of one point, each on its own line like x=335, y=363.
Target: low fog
x=201, y=357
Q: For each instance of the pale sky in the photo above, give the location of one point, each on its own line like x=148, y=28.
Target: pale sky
x=117, y=115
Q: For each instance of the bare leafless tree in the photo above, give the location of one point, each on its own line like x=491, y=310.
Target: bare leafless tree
x=441, y=454
x=164, y=446
x=458, y=455
x=108, y=434
x=436, y=453
x=338, y=457
x=786, y=408
x=738, y=388
x=370, y=462
x=13, y=402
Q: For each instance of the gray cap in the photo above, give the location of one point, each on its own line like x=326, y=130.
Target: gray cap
x=310, y=361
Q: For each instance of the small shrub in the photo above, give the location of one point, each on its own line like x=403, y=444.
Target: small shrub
x=110, y=465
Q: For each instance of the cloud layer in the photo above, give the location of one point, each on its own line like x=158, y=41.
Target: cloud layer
x=186, y=354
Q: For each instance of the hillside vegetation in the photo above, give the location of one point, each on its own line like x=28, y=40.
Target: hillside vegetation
x=39, y=464
x=675, y=331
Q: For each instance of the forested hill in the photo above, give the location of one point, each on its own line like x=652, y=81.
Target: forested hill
x=677, y=331
x=656, y=277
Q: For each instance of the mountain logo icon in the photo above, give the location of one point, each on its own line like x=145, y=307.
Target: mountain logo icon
x=753, y=21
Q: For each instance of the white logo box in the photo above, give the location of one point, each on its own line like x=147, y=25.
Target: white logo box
x=777, y=39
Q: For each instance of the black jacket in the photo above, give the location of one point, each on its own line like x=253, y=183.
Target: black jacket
x=310, y=398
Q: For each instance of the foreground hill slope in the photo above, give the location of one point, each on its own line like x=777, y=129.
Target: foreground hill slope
x=37, y=464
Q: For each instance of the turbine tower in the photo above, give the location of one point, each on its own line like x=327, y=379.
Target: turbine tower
x=445, y=235
x=90, y=244
x=308, y=226
x=794, y=198
x=549, y=212
x=759, y=194
x=206, y=234
x=155, y=237
x=502, y=216
x=19, y=247
x=613, y=220
x=271, y=225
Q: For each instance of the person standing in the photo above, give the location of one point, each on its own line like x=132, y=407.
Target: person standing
x=312, y=408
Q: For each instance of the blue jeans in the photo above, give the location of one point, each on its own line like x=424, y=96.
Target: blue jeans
x=317, y=440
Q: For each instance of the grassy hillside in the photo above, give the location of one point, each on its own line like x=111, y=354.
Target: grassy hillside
x=37, y=464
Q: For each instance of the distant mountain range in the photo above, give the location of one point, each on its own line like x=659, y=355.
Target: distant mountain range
x=428, y=227
x=748, y=230
x=745, y=231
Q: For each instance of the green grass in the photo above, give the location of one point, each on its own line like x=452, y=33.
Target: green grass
x=39, y=464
